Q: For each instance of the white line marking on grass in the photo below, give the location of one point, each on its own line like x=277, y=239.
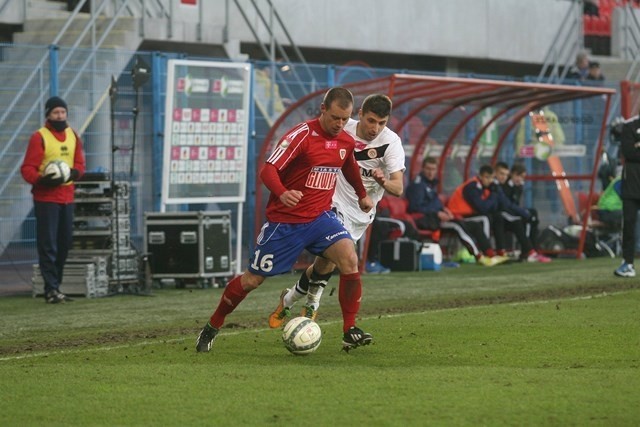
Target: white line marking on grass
x=174, y=340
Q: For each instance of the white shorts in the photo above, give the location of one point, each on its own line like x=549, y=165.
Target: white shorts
x=356, y=229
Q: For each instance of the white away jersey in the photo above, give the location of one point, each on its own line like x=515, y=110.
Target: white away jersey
x=384, y=152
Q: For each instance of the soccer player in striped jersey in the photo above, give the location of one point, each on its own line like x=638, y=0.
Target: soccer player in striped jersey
x=381, y=158
x=301, y=175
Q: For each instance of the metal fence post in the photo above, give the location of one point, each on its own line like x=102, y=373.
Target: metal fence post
x=158, y=67
x=53, y=69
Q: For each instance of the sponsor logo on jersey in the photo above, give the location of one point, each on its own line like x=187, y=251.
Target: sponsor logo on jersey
x=322, y=178
x=330, y=145
x=343, y=153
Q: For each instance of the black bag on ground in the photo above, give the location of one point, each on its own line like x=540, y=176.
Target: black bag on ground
x=554, y=239
x=400, y=254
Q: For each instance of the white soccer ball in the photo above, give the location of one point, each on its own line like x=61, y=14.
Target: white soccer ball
x=301, y=336
x=56, y=169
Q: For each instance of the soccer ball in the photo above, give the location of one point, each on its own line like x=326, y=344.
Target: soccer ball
x=56, y=169
x=301, y=336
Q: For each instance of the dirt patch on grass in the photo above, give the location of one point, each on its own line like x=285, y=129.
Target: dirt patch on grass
x=121, y=337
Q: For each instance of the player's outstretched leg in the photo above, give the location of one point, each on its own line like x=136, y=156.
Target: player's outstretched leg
x=207, y=335
x=282, y=311
x=317, y=283
x=233, y=295
x=350, y=294
x=288, y=298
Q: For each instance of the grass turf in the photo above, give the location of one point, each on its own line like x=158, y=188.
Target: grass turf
x=562, y=348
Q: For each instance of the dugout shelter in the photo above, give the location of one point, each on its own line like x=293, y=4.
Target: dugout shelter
x=556, y=131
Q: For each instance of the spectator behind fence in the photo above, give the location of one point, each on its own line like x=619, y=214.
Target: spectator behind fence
x=594, y=74
x=580, y=69
x=590, y=7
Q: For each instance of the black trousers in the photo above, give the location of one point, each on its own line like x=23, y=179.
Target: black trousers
x=629, y=216
x=54, y=235
x=502, y=222
x=478, y=227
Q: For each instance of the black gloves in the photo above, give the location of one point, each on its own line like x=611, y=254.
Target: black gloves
x=50, y=181
x=73, y=175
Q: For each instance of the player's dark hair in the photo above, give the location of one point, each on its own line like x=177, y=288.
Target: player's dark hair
x=518, y=169
x=502, y=165
x=342, y=96
x=485, y=170
x=378, y=104
x=429, y=160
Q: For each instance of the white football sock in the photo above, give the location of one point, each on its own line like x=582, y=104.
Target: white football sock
x=292, y=296
x=314, y=295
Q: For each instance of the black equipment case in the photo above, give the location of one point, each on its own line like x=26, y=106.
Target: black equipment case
x=400, y=254
x=188, y=244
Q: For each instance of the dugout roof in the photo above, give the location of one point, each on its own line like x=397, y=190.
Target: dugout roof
x=506, y=101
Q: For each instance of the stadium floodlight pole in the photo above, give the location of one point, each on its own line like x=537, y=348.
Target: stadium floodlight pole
x=113, y=94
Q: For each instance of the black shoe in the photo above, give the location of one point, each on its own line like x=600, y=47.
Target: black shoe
x=55, y=297
x=355, y=337
x=206, y=338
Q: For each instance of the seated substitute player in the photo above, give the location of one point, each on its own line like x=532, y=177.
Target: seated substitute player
x=475, y=205
x=380, y=156
x=513, y=187
x=512, y=217
x=423, y=198
x=301, y=175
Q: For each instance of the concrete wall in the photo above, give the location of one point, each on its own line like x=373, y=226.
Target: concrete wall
x=504, y=30
x=12, y=12
x=508, y=30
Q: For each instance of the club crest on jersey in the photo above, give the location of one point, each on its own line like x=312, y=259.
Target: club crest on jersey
x=322, y=177
x=330, y=145
x=343, y=153
x=372, y=153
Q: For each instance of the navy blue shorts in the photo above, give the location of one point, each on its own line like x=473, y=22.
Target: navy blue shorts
x=279, y=244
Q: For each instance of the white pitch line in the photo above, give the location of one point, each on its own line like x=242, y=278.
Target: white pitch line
x=173, y=340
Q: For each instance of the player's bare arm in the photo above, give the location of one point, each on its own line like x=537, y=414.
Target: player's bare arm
x=393, y=185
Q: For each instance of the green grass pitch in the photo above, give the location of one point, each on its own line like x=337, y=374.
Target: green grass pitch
x=520, y=344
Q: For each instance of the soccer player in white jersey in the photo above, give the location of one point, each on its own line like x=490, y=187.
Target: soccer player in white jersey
x=380, y=156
